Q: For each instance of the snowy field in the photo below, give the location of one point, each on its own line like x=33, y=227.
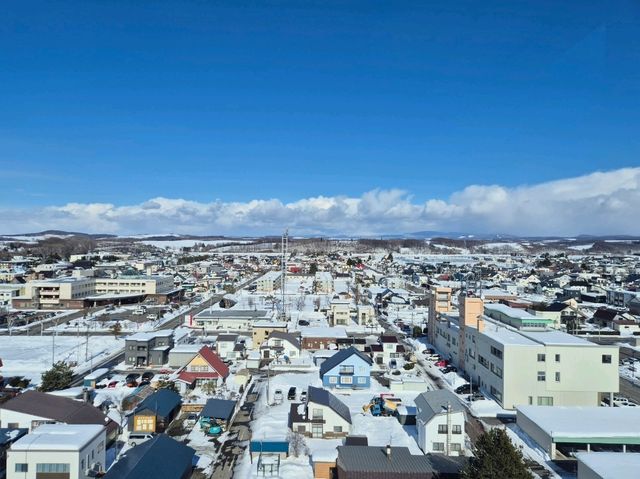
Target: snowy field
x=31, y=355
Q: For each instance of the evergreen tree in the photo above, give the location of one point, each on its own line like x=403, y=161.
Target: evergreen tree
x=58, y=377
x=495, y=457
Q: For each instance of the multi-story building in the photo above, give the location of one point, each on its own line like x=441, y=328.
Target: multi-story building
x=269, y=282
x=61, y=451
x=229, y=319
x=440, y=422
x=340, y=312
x=147, y=349
x=83, y=289
x=260, y=330
x=525, y=366
x=439, y=302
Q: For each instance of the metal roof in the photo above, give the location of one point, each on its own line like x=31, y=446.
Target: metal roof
x=325, y=398
x=433, y=403
x=341, y=356
x=161, y=458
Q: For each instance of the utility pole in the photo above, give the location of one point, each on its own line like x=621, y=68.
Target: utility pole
x=283, y=280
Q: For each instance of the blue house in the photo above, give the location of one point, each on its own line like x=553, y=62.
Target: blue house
x=347, y=369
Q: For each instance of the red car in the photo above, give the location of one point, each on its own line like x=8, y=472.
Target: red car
x=113, y=384
x=442, y=363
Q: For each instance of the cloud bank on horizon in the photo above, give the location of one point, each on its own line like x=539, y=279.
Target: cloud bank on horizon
x=596, y=203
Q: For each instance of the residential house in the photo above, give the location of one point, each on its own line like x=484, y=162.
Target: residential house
x=269, y=282
x=159, y=458
x=322, y=416
x=230, y=346
x=260, y=330
x=31, y=409
x=346, y=369
x=369, y=462
x=156, y=411
x=440, y=420
x=61, y=451
x=323, y=282
x=365, y=315
x=340, y=312
x=204, y=367
x=387, y=350
x=8, y=437
x=148, y=349
x=315, y=338
x=281, y=345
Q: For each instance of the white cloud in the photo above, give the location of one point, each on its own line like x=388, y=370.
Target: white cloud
x=598, y=203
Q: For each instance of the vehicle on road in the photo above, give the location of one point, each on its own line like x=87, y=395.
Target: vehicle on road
x=303, y=396
x=278, y=396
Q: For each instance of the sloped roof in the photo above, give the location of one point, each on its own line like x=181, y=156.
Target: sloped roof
x=325, y=398
x=161, y=458
x=339, y=357
x=162, y=402
x=374, y=460
x=433, y=403
x=57, y=408
x=291, y=338
x=211, y=357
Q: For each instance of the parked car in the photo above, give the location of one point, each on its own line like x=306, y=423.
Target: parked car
x=476, y=396
x=136, y=438
x=191, y=420
x=466, y=389
x=433, y=357
x=278, y=396
x=291, y=395
x=113, y=384
x=303, y=322
x=449, y=369
x=442, y=363
x=303, y=396
x=148, y=376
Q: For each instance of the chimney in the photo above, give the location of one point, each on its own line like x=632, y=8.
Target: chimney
x=388, y=452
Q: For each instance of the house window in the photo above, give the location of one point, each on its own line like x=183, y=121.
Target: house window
x=316, y=430
x=302, y=429
x=456, y=447
x=333, y=380
x=337, y=428
x=346, y=369
x=557, y=377
x=13, y=425
x=346, y=380
x=438, y=446
x=541, y=358
x=362, y=380
x=606, y=359
x=456, y=429
x=317, y=414
x=545, y=401
x=53, y=468
x=530, y=400
x=442, y=428
x=22, y=467
x=496, y=352
x=557, y=358
x=542, y=376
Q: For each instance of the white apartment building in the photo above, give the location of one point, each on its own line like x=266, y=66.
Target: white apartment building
x=525, y=366
x=269, y=282
x=323, y=282
x=61, y=451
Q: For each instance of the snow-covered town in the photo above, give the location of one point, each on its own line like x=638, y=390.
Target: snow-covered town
x=319, y=239
x=251, y=358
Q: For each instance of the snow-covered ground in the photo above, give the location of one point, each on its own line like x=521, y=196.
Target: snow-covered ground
x=30, y=356
x=272, y=422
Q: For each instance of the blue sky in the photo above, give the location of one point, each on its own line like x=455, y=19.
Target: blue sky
x=121, y=102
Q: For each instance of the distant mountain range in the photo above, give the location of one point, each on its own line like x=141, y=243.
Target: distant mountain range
x=413, y=235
